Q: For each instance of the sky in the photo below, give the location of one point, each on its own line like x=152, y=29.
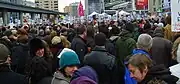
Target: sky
x=63, y=3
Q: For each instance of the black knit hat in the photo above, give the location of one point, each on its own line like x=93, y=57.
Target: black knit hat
x=4, y=51
x=35, y=44
x=129, y=27
x=100, y=39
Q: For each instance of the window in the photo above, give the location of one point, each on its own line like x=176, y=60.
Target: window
x=55, y=1
x=36, y=1
x=55, y=4
x=46, y=1
x=154, y=2
x=154, y=9
x=55, y=7
x=46, y=4
x=46, y=7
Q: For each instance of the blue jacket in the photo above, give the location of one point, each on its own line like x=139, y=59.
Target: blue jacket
x=140, y=51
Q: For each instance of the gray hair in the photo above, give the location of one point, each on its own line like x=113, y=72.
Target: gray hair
x=144, y=41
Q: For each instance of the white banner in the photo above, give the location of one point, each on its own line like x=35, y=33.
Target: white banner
x=175, y=14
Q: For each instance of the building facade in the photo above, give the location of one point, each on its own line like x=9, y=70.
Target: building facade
x=14, y=1
x=155, y=5
x=29, y=3
x=47, y=4
x=67, y=9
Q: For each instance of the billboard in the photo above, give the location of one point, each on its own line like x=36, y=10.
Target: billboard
x=141, y=4
x=175, y=15
x=94, y=6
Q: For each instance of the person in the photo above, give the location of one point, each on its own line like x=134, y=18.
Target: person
x=9, y=36
x=114, y=37
x=167, y=29
x=161, y=48
x=174, y=69
x=110, y=47
x=65, y=42
x=84, y=75
x=90, y=37
x=79, y=43
x=68, y=62
x=20, y=53
x=108, y=70
x=7, y=76
x=125, y=43
x=38, y=67
x=144, y=72
x=143, y=45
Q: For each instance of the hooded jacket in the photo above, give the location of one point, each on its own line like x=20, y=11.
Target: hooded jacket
x=108, y=70
x=159, y=75
x=84, y=75
x=161, y=48
x=7, y=76
x=59, y=79
x=79, y=46
x=125, y=44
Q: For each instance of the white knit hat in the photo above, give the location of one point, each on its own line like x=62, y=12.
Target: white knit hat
x=144, y=41
x=56, y=40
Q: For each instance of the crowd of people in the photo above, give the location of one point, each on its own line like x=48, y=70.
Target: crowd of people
x=115, y=52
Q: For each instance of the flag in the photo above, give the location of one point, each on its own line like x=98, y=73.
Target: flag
x=80, y=9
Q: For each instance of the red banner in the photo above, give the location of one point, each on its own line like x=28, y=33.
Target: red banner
x=80, y=9
x=141, y=4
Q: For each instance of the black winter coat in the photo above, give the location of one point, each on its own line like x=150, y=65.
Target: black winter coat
x=79, y=46
x=9, y=77
x=38, y=69
x=108, y=70
x=159, y=75
x=20, y=55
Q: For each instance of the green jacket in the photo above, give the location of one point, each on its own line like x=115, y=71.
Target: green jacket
x=125, y=45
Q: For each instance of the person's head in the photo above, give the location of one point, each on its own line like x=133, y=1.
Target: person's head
x=41, y=32
x=129, y=26
x=22, y=39
x=69, y=62
x=36, y=47
x=82, y=31
x=144, y=42
x=84, y=75
x=100, y=39
x=158, y=32
x=104, y=29
x=4, y=55
x=22, y=31
x=147, y=26
x=10, y=35
x=138, y=66
x=90, y=31
x=65, y=42
x=26, y=27
x=115, y=30
x=176, y=50
x=33, y=31
x=64, y=32
x=168, y=20
x=56, y=40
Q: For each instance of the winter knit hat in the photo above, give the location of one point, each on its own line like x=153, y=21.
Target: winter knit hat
x=4, y=52
x=56, y=40
x=100, y=39
x=68, y=59
x=144, y=41
x=83, y=80
x=35, y=44
x=8, y=33
x=85, y=71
